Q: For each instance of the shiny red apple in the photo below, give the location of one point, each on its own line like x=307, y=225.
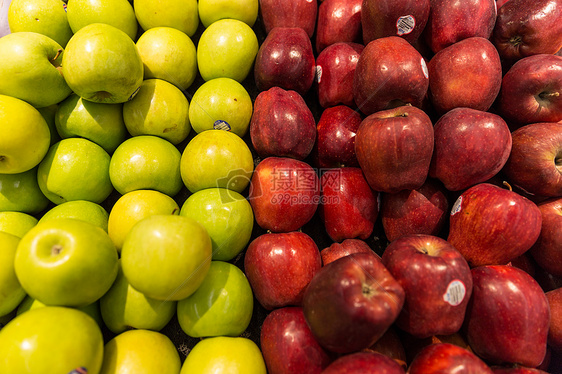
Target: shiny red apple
x=338, y=21
x=447, y=358
x=289, y=13
x=364, y=363
x=346, y=247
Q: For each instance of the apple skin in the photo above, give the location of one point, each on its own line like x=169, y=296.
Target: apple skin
x=453, y=21
x=272, y=259
x=394, y=148
x=288, y=346
x=447, y=358
x=11, y=291
x=346, y=247
x=338, y=21
x=471, y=146
x=528, y=27
x=547, y=250
x=390, y=345
x=181, y=15
x=335, y=70
x=436, y=309
x=420, y=211
x=289, y=13
x=517, y=370
x=80, y=209
x=533, y=164
x=213, y=10
x=364, y=363
x=491, y=225
x=21, y=193
x=284, y=194
x=351, y=302
x=282, y=124
x=467, y=73
x=285, y=59
x=394, y=70
x=17, y=223
x=349, y=206
x=508, y=316
x=554, y=298
x=531, y=91
x=406, y=19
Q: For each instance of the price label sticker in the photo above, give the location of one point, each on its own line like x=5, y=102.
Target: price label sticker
x=456, y=291
x=456, y=206
x=405, y=25
x=221, y=125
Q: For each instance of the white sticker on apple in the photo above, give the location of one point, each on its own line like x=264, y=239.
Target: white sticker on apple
x=456, y=206
x=455, y=294
x=424, y=68
x=318, y=73
x=405, y=25
x=221, y=125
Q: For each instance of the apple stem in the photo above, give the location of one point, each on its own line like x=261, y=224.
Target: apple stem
x=2, y=158
x=56, y=249
x=548, y=95
x=59, y=51
x=507, y=185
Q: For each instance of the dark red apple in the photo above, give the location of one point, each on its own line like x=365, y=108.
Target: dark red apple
x=471, y=146
x=547, y=250
x=507, y=317
x=554, y=298
x=335, y=69
x=284, y=194
x=346, y=247
x=491, y=225
x=516, y=370
x=404, y=18
x=526, y=263
x=447, y=358
x=500, y=3
x=349, y=206
x=279, y=267
x=282, y=125
x=364, y=363
x=420, y=211
x=414, y=346
x=467, y=74
x=391, y=346
x=389, y=73
x=285, y=59
x=438, y=307
x=338, y=21
x=289, y=13
x=288, y=346
x=351, y=302
x=394, y=148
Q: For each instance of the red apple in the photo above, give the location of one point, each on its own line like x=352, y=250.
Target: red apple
x=554, y=298
x=414, y=346
x=338, y=21
x=526, y=263
x=346, y=247
x=547, y=250
x=516, y=370
x=394, y=148
x=391, y=346
x=364, y=363
x=289, y=13
x=351, y=302
x=447, y=358
x=279, y=267
x=389, y=73
x=500, y=3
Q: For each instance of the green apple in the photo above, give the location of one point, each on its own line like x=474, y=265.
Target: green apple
x=11, y=291
x=227, y=48
x=118, y=13
x=83, y=210
x=227, y=216
x=140, y=351
x=17, y=223
x=224, y=354
x=48, y=113
x=21, y=193
x=216, y=158
x=168, y=54
x=4, y=320
x=101, y=123
x=24, y=136
x=221, y=102
x=101, y=63
x=133, y=207
x=51, y=340
x=166, y=257
x=242, y=10
x=123, y=308
x=146, y=162
x=29, y=303
x=31, y=69
x=47, y=17
x=159, y=109
x=179, y=14
x=221, y=306
x=66, y=261
x=75, y=169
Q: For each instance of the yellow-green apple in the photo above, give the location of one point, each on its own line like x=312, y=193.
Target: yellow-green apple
x=25, y=136
x=224, y=354
x=146, y=162
x=48, y=113
x=226, y=215
x=394, y=148
x=273, y=258
x=213, y=10
x=159, y=109
x=547, y=250
x=364, y=363
x=221, y=306
x=471, y=146
x=17, y=223
x=285, y=59
x=447, y=357
x=216, y=158
x=21, y=193
x=390, y=72
x=140, y=351
x=221, y=103
x=508, y=316
x=133, y=207
x=29, y=303
x=351, y=302
x=284, y=194
x=166, y=257
x=282, y=124
x=47, y=17
x=101, y=123
x=66, y=261
x=75, y=169
x=101, y=63
x=169, y=54
x=338, y=21
x=80, y=209
x=554, y=298
x=346, y=247
x=181, y=15
x=288, y=346
x=117, y=13
x=11, y=291
x=291, y=13
x=51, y=340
